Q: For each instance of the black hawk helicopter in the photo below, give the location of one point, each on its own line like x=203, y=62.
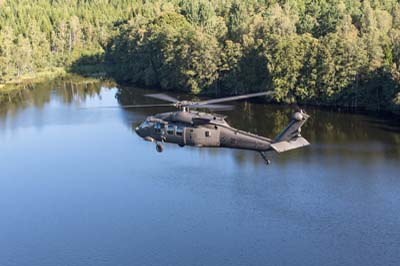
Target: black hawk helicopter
x=199, y=129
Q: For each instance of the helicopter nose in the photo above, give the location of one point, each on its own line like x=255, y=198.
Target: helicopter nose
x=137, y=130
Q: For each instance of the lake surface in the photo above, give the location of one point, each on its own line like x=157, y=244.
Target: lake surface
x=79, y=187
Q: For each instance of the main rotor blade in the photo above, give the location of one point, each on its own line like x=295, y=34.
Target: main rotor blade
x=163, y=97
x=134, y=106
x=217, y=107
x=148, y=105
x=234, y=98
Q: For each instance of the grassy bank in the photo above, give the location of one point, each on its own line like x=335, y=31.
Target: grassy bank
x=36, y=77
x=51, y=74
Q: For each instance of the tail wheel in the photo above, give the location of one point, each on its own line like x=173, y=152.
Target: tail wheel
x=264, y=156
x=159, y=147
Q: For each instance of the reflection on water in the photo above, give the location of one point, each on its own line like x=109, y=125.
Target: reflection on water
x=79, y=187
x=332, y=134
x=55, y=101
x=345, y=136
x=68, y=90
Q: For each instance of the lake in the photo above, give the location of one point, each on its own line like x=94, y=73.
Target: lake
x=79, y=187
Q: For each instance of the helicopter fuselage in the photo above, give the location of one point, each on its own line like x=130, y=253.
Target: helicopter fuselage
x=193, y=128
x=199, y=129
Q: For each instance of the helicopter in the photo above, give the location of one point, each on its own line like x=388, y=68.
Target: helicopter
x=190, y=127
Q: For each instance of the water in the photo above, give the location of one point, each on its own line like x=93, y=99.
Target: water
x=79, y=187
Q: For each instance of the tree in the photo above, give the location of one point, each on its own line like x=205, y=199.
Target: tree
x=6, y=49
x=371, y=37
x=237, y=20
x=284, y=61
x=280, y=21
x=74, y=33
x=23, y=56
x=231, y=55
x=40, y=45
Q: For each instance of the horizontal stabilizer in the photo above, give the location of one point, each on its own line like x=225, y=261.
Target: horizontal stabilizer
x=294, y=143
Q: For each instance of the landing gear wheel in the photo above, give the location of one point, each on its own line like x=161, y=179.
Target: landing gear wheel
x=264, y=156
x=159, y=147
x=181, y=145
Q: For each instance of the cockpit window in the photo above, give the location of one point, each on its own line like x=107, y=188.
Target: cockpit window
x=157, y=127
x=144, y=124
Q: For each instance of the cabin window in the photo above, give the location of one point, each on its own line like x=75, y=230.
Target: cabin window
x=170, y=129
x=179, y=131
x=157, y=127
x=208, y=134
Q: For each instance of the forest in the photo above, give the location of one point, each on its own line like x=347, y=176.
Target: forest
x=319, y=52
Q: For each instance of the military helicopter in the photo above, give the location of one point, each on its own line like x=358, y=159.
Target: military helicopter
x=194, y=128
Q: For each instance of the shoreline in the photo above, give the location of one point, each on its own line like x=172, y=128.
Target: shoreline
x=322, y=106
x=35, y=77
x=98, y=71
x=47, y=74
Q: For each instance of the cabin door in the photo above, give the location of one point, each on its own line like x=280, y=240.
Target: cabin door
x=202, y=136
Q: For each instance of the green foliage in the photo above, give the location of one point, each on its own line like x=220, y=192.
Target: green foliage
x=40, y=34
x=336, y=52
x=167, y=52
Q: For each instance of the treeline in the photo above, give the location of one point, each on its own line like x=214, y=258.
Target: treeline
x=324, y=52
x=343, y=53
x=40, y=34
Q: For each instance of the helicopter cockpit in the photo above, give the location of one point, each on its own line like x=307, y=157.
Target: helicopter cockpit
x=143, y=129
x=144, y=124
x=149, y=126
